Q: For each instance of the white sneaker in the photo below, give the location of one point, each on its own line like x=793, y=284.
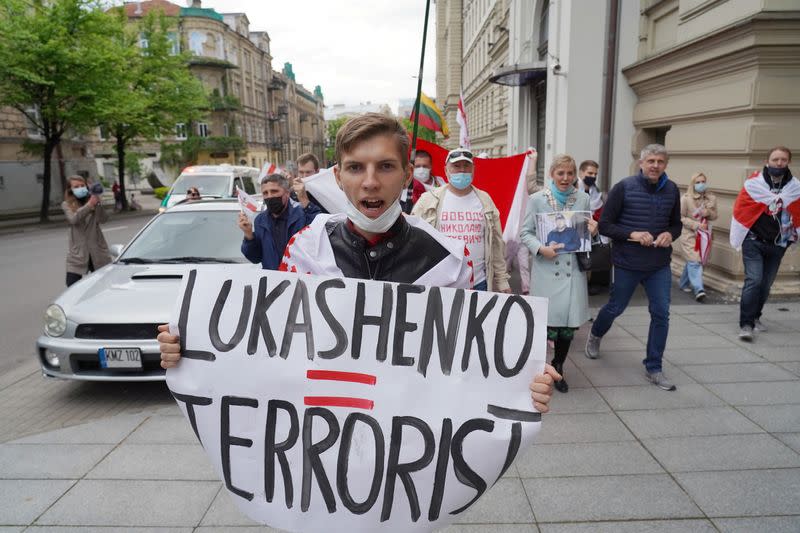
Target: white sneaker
x=759, y=327
x=746, y=333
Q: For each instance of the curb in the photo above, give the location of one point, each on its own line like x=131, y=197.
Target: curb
x=58, y=221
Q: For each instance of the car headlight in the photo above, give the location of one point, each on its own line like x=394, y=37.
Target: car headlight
x=55, y=321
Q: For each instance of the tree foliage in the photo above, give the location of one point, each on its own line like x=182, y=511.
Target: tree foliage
x=154, y=90
x=331, y=129
x=56, y=60
x=422, y=132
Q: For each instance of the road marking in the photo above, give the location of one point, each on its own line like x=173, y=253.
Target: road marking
x=114, y=229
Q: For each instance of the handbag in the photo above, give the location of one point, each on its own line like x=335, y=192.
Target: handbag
x=601, y=256
x=584, y=261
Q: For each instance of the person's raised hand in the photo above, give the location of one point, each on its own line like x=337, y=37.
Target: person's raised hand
x=246, y=226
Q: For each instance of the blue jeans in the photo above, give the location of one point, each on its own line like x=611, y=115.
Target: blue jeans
x=657, y=285
x=692, y=276
x=761, y=263
x=482, y=286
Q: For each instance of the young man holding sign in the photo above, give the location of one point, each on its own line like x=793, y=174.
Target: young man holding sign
x=373, y=240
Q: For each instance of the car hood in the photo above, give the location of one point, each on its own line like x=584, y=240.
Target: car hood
x=119, y=293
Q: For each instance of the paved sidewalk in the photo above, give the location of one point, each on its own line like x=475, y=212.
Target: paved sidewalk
x=722, y=453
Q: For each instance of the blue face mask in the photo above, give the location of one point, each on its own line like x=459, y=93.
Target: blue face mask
x=80, y=192
x=461, y=180
x=700, y=187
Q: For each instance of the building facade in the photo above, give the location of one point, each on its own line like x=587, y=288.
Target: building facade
x=711, y=79
x=717, y=81
x=255, y=113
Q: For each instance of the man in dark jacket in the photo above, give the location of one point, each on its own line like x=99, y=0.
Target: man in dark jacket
x=266, y=238
x=642, y=215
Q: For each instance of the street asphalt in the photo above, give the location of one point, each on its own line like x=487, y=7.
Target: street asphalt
x=722, y=453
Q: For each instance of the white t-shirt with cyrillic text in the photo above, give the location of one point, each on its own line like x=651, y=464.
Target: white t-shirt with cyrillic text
x=461, y=217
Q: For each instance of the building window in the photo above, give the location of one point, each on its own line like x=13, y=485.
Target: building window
x=202, y=129
x=175, y=43
x=32, y=119
x=102, y=132
x=544, y=30
x=180, y=131
x=144, y=43
x=225, y=130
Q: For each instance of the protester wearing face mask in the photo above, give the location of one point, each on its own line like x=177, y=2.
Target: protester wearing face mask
x=88, y=249
x=466, y=213
x=424, y=180
x=766, y=221
x=374, y=240
x=698, y=208
x=266, y=238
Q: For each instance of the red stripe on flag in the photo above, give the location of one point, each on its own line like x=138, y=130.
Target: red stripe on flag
x=427, y=122
x=336, y=375
x=338, y=401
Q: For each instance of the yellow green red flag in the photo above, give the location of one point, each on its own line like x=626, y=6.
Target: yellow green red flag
x=430, y=116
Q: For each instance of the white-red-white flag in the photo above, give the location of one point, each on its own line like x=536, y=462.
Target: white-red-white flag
x=755, y=199
x=461, y=119
x=247, y=204
x=702, y=244
x=266, y=170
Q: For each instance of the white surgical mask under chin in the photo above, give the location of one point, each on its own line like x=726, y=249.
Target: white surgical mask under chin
x=374, y=225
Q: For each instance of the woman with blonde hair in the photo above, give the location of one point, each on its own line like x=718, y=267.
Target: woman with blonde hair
x=553, y=275
x=88, y=249
x=698, y=208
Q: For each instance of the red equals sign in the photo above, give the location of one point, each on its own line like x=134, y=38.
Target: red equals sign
x=340, y=401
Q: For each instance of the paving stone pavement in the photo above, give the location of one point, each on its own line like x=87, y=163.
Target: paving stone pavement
x=722, y=453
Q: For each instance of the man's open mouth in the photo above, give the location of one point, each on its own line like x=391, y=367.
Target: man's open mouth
x=371, y=208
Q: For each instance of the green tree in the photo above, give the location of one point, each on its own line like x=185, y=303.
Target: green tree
x=422, y=132
x=331, y=129
x=55, y=60
x=154, y=89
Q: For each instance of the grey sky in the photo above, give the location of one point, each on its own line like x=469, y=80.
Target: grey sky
x=357, y=50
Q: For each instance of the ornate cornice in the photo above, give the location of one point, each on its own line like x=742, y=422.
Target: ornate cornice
x=761, y=40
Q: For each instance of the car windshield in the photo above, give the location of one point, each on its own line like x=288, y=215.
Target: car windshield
x=207, y=184
x=188, y=237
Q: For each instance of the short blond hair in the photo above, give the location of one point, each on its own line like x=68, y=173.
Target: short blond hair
x=363, y=127
x=563, y=160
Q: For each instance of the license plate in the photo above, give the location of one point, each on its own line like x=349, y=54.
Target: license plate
x=130, y=358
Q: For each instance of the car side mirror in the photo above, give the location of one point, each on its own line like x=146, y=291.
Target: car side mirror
x=116, y=250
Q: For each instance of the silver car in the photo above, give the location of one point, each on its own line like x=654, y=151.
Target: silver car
x=103, y=328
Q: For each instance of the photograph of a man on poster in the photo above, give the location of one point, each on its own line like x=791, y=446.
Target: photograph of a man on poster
x=566, y=231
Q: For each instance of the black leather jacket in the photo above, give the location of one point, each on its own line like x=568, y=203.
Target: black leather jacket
x=403, y=257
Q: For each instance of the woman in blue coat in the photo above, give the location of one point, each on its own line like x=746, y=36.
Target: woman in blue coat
x=557, y=276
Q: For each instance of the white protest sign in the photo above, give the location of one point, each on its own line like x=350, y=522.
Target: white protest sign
x=355, y=405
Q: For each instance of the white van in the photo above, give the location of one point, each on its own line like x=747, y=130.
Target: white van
x=213, y=181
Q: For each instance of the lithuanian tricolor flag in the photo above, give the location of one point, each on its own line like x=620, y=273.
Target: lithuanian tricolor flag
x=430, y=117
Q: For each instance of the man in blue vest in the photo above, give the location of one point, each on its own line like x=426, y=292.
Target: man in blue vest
x=642, y=215
x=266, y=238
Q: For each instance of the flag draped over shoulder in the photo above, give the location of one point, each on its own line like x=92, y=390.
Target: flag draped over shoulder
x=755, y=199
x=309, y=251
x=502, y=178
x=430, y=116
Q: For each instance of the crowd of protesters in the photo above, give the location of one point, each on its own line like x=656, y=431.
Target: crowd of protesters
x=639, y=220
